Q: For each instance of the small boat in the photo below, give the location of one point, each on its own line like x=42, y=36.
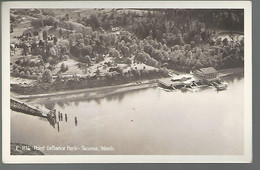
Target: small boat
x=184, y=88
x=220, y=85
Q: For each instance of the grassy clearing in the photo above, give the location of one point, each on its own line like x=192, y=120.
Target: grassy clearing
x=236, y=37
x=19, y=80
x=72, y=65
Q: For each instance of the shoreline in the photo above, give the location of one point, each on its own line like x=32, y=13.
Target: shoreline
x=109, y=90
x=99, y=92
x=89, y=95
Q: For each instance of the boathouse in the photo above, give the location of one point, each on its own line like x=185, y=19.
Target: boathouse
x=169, y=84
x=208, y=74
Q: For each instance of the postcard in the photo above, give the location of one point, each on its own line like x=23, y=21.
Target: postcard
x=127, y=82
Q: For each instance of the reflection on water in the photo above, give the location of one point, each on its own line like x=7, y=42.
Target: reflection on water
x=233, y=78
x=49, y=106
x=150, y=121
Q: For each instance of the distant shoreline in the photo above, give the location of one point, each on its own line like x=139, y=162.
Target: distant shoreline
x=99, y=92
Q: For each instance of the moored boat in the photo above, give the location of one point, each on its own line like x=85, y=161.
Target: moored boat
x=220, y=85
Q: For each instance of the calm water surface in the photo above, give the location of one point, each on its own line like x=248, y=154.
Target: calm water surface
x=151, y=121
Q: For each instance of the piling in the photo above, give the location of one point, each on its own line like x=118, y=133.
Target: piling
x=61, y=117
x=66, y=118
x=76, y=121
x=55, y=116
x=58, y=126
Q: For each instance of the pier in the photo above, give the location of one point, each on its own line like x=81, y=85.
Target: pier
x=203, y=77
x=52, y=116
x=20, y=106
x=169, y=84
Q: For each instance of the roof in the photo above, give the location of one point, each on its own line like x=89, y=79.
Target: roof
x=208, y=70
x=179, y=77
x=168, y=82
x=177, y=83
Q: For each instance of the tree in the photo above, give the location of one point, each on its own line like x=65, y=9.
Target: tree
x=27, y=74
x=55, y=40
x=114, y=53
x=34, y=48
x=100, y=58
x=55, y=25
x=165, y=48
x=187, y=47
x=34, y=76
x=94, y=21
x=53, y=61
x=47, y=76
x=157, y=55
x=87, y=50
x=25, y=49
x=53, y=52
x=67, y=17
x=98, y=72
x=197, y=38
x=165, y=71
x=176, y=47
x=148, y=49
x=198, y=64
x=22, y=74
x=108, y=75
x=86, y=59
x=133, y=48
x=119, y=70
x=11, y=28
x=45, y=35
x=242, y=42
x=79, y=36
x=60, y=32
x=189, y=54
x=76, y=51
x=65, y=57
x=16, y=72
x=225, y=42
x=128, y=61
x=63, y=67
x=126, y=51
x=59, y=78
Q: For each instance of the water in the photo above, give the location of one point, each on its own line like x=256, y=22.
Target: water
x=151, y=121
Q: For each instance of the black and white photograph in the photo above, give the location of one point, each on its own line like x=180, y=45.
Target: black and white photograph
x=153, y=81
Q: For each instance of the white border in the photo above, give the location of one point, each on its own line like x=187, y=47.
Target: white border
x=246, y=158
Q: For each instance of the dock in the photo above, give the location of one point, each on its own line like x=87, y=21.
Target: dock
x=52, y=116
x=20, y=106
x=190, y=83
x=202, y=77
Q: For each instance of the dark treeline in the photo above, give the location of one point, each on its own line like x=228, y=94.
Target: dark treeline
x=180, y=39
x=146, y=22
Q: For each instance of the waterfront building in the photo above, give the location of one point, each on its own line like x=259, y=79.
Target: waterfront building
x=208, y=74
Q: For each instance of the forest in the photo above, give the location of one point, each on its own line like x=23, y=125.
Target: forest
x=162, y=39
